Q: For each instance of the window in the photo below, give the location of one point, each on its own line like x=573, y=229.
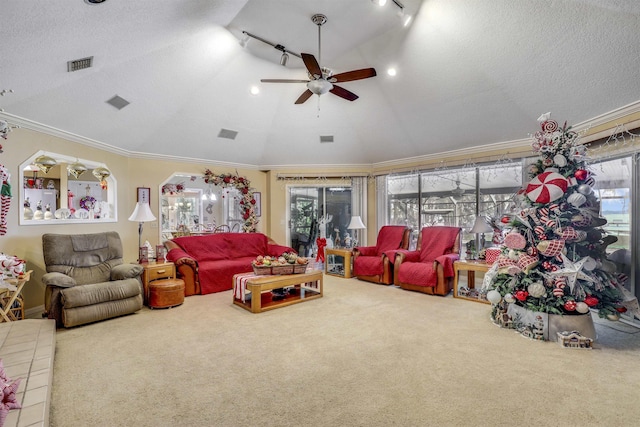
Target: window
x=452, y=196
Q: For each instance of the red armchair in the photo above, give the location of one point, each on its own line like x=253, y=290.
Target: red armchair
x=430, y=268
x=375, y=263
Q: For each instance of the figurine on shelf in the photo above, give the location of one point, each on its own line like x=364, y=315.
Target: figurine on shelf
x=47, y=212
x=347, y=240
x=39, y=214
x=70, y=197
x=27, y=213
x=336, y=242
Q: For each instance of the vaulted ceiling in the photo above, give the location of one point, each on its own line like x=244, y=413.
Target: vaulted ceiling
x=469, y=73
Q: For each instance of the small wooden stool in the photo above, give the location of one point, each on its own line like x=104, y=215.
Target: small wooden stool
x=166, y=293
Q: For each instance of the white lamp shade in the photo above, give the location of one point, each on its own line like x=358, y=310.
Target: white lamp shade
x=480, y=226
x=356, y=223
x=142, y=213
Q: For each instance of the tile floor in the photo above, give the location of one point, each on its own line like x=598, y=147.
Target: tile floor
x=27, y=349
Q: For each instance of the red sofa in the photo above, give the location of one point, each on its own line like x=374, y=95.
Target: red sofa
x=207, y=263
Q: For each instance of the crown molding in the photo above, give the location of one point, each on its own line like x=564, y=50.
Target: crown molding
x=518, y=145
x=611, y=116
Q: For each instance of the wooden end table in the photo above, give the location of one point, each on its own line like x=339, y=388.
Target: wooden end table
x=156, y=271
x=340, y=269
x=470, y=267
x=9, y=297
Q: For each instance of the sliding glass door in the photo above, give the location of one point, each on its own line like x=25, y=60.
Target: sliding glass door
x=317, y=211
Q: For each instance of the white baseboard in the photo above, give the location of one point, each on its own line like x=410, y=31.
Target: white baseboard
x=34, y=312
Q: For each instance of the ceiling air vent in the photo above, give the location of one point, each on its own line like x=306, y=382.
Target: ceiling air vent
x=118, y=102
x=227, y=133
x=326, y=139
x=79, y=64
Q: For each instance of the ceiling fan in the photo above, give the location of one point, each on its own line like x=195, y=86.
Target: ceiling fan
x=321, y=80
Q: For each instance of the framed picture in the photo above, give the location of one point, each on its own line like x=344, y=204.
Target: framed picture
x=143, y=255
x=160, y=254
x=144, y=195
x=258, y=206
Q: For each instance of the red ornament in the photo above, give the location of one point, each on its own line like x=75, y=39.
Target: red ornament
x=591, y=301
x=581, y=174
x=505, y=219
x=570, y=305
x=521, y=295
x=621, y=309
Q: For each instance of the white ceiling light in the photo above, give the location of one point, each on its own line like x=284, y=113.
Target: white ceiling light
x=379, y=2
x=254, y=90
x=392, y=71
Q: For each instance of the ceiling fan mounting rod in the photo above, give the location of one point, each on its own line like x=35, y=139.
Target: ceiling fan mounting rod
x=319, y=19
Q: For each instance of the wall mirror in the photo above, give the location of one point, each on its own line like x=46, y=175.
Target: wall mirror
x=61, y=189
x=190, y=206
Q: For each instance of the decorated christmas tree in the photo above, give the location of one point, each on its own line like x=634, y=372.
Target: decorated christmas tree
x=553, y=259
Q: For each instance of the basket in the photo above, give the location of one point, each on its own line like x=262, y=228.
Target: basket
x=282, y=269
x=299, y=268
x=269, y=270
x=261, y=270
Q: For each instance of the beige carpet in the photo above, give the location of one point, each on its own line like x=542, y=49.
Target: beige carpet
x=364, y=355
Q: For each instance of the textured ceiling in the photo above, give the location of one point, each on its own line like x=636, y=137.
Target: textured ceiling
x=470, y=72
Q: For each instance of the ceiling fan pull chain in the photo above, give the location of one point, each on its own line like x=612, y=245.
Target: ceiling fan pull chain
x=318, y=107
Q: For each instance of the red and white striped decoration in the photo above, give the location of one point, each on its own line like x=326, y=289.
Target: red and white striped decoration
x=546, y=187
x=5, y=199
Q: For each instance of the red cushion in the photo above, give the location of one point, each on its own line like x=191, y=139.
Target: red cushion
x=389, y=237
x=437, y=241
x=217, y=276
x=418, y=273
x=368, y=266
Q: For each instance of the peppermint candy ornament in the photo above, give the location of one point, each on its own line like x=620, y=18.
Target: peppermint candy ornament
x=546, y=187
x=515, y=240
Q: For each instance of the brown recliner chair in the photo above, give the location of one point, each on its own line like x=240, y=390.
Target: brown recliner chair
x=86, y=279
x=430, y=268
x=375, y=263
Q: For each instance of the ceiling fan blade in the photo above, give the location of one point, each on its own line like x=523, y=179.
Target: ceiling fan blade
x=305, y=95
x=364, y=73
x=283, y=81
x=312, y=65
x=343, y=93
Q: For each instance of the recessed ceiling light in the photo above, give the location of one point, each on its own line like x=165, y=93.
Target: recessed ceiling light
x=379, y=2
x=392, y=71
x=254, y=90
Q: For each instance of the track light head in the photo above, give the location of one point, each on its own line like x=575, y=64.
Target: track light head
x=283, y=59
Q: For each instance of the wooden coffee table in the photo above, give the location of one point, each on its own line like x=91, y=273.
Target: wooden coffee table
x=258, y=296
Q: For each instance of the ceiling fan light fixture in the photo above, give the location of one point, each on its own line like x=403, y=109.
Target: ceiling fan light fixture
x=319, y=86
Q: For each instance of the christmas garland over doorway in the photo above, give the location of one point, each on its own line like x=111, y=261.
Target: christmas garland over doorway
x=242, y=184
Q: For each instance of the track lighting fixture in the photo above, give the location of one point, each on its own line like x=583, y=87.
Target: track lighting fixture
x=406, y=18
x=285, y=52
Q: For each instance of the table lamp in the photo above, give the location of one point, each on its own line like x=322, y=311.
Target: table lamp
x=480, y=226
x=356, y=224
x=141, y=213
